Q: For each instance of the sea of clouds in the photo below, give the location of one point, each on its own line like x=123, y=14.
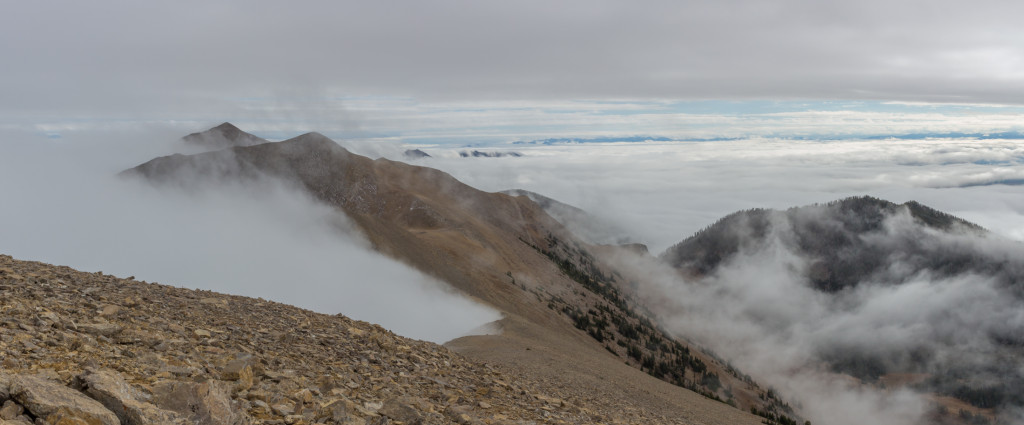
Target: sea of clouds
x=758, y=310
x=663, y=192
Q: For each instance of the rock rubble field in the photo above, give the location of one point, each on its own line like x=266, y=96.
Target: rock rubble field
x=90, y=348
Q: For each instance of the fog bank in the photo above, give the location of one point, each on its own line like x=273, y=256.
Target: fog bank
x=64, y=204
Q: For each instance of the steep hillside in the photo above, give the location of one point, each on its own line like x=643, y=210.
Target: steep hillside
x=561, y=308
x=81, y=347
x=582, y=224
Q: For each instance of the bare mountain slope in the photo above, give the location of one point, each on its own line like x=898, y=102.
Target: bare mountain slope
x=581, y=223
x=80, y=347
x=562, y=307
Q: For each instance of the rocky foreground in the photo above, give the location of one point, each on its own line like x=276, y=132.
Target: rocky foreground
x=90, y=348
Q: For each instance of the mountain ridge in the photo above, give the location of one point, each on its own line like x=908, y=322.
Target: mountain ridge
x=502, y=250
x=708, y=248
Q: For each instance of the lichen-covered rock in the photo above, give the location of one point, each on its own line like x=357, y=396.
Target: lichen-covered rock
x=402, y=411
x=57, y=403
x=100, y=329
x=11, y=410
x=242, y=370
x=21, y=420
x=206, y=403
x=5, y=386
x=340, y=411
x=127, y=402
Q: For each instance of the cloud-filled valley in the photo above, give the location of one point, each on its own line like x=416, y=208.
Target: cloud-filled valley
x=662, y=192
x=65, y=204
x=760, y=311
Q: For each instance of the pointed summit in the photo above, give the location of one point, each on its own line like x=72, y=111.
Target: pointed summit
x=222, y=136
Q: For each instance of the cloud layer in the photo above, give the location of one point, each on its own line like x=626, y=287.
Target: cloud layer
x=63, y=204
x=664, y=192
x=188, y=59
x=758, y=311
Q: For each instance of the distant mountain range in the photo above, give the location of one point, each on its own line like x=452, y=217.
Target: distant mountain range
x=997, y=135
x=483, y=154
x=572, y=140
x=415, y=154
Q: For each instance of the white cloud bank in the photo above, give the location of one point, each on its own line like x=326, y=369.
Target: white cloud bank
x=662, y=192
x=63, y=204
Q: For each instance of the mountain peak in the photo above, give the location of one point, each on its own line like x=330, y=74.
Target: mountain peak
x=312, y=137
x=833, y=234
x=225, y=135
x=226, y=126
x=311, y=142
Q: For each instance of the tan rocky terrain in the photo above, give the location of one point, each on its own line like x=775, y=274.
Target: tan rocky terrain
x=90, y=348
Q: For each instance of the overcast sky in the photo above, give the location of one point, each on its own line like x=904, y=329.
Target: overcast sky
x=123, y=60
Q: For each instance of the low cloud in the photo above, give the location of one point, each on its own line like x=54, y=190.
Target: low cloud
x=64, y=204
x=662, y=192
x=760, y=311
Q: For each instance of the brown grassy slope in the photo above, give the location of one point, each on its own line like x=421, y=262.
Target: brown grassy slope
x=487, y=245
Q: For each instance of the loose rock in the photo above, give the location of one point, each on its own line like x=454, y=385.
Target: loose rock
x=125, y=401
x=201, y=403
x=55, y=402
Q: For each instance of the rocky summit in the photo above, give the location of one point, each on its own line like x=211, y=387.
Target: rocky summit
x=90, y=348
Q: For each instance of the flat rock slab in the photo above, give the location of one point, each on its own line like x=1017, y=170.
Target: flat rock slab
x=204, y=403
x=55, y=402
x=126, y=401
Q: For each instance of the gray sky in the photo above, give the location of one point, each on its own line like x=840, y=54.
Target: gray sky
x=180, y=60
